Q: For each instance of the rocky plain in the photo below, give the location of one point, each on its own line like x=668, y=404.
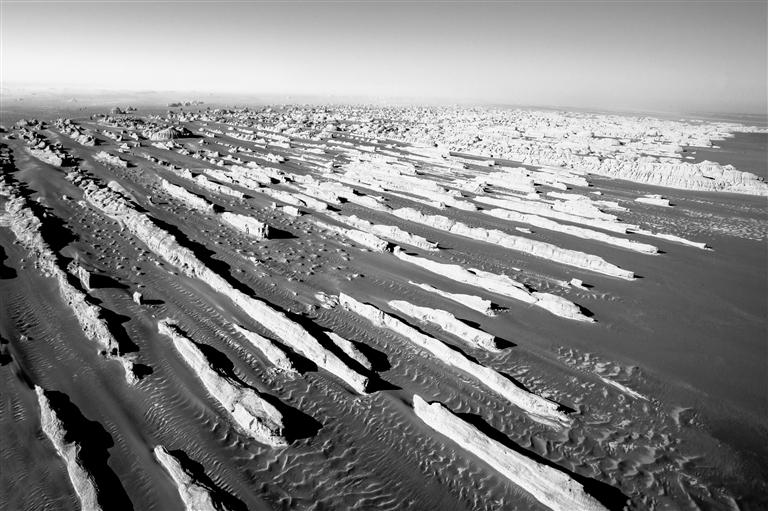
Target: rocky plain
x=362, y=307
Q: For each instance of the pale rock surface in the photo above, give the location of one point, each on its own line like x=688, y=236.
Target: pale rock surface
x=349, y=348
x=271, y=351
x=194, y=495
x=537, y=408
x=536, y=248
x=553, y=488
x=257, y=417
x=165, y=245
x=246, y=224
x=82, y=481
x=473, y=302
x=447, y=322
x=499, y=284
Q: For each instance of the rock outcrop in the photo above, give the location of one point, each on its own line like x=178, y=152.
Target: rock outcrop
x=553, y=488
x=533, y=247
x=499, y=284
x=256, y=416
x=82, y=480
x=580, y=232
x=165, y=245
x=28, y=229
x=190, y=199
x=447, y=322
x=389, y=232
x=247, y=225
x=195, y=495
x=275, y=354
x=473, y=302
x=537, y=408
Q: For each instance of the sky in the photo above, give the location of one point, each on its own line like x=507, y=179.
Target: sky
x=666, y=56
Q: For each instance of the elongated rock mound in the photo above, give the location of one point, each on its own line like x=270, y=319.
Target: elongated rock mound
x=257, y=417
x=194, y=495
x=28, y=229
x=553, y=488
x=448, y=322
x=54, y=429
x=537, y=408
x=164, y=244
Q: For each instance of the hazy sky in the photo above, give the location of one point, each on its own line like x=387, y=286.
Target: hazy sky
x=670, y=56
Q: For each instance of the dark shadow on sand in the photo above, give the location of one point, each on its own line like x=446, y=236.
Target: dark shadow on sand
x=95, y=443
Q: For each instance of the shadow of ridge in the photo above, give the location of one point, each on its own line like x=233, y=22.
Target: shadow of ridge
x=197, y=471
x=6, y=272
x=500, y=342
x=611, y=497
x=297, y=424
x=115, y=323
x=378, y=359
x=101, y=281
x=94, y=442
x=586, y=312
x=280, y=234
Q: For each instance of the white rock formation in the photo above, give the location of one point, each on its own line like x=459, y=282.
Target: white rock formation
x=545, y=209
x=109, y=159
x=447, y=322
x=276, y=355
x=573, y=230
x=27, y=228
x=81, y=273
x=165, y=245
x=257, y=417
x=350, y=350
x=390, y=232
x=517, y=243
x=194, y=495
x=672, y=237
x=473, y=302
x=366, y=239
x=654, y=200
x=553, y=488
x=82, y=481
x=246, y=224
x=499, y=284
x=206, y=183
x=538, y=408
x=137, y=298
x=194, y=201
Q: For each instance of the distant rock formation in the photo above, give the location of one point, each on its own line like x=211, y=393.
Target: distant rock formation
x=529, y=246
x=499, y=284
